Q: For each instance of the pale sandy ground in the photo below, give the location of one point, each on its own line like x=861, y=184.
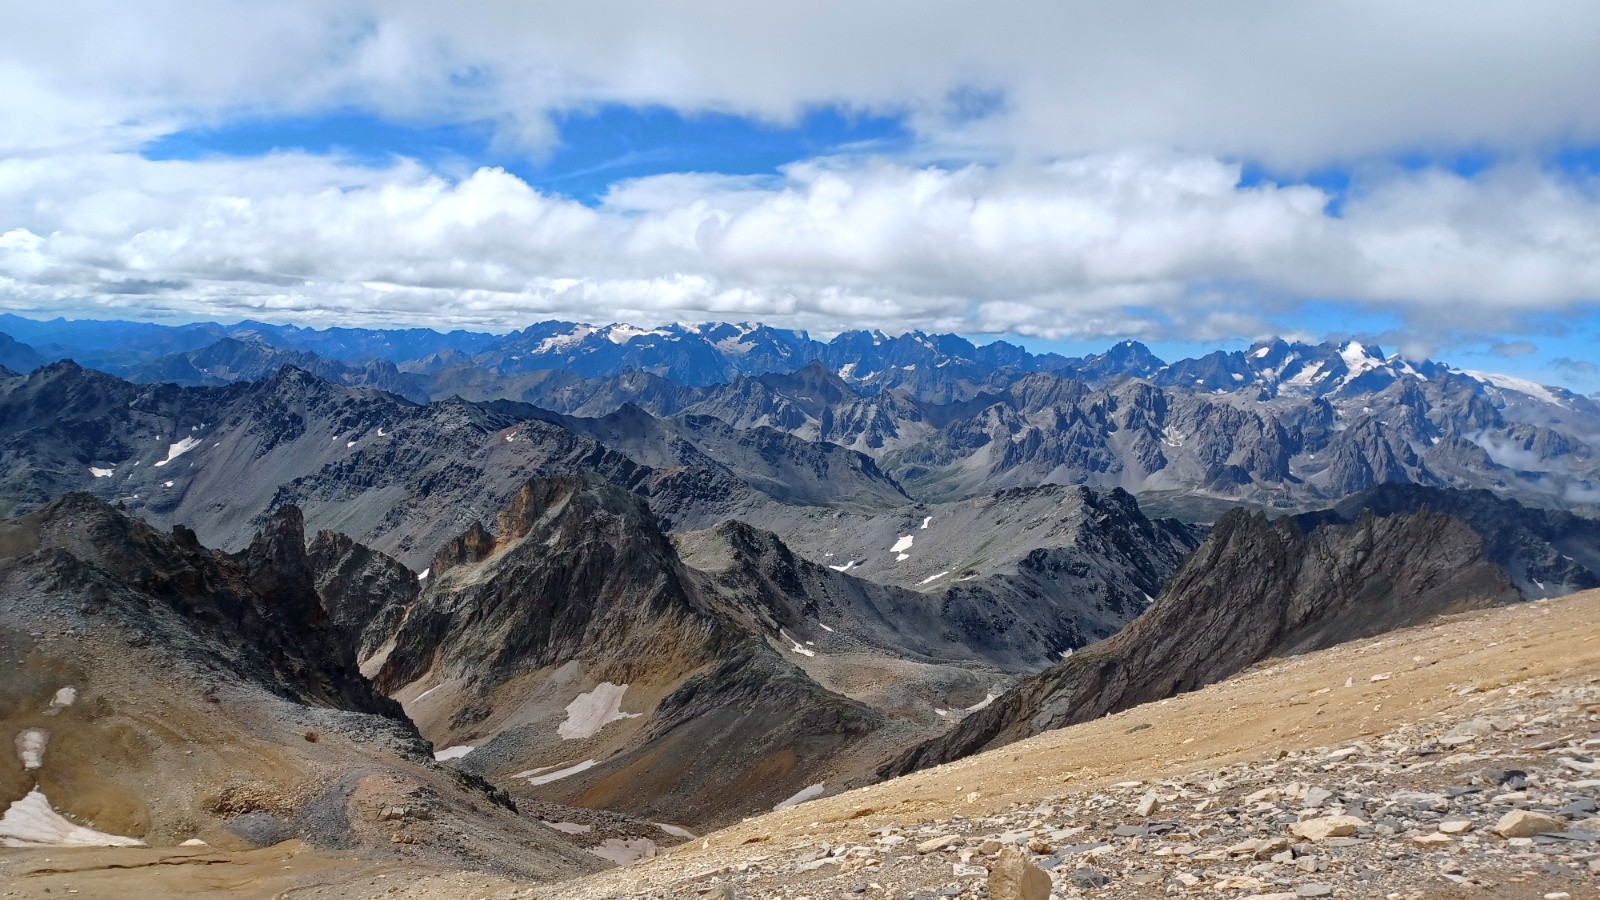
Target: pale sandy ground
x=1465, y=662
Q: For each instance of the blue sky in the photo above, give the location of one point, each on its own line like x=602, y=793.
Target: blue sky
x=594, y=149
x=1061, y=174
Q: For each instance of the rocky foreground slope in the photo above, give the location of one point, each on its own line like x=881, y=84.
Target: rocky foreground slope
x=1454, y=759
x=1428, y=738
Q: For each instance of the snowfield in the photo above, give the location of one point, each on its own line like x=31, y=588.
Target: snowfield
x=33, y=822
x=594, y=710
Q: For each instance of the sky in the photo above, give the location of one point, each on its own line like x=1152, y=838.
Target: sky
x=1424, y=176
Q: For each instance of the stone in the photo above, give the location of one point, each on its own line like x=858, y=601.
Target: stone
x=1014, y=878
x=1523, y=823
x=1456, y=826
x=943, y=842
x=1149, y=805
x=1088, y=879
x=1316, y=797
x=1321, y=829
x=1318, y=889
x=1433, y=841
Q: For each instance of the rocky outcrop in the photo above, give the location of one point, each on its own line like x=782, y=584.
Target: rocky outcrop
x=577, y=592
x=173, y=692
x=1256, y=588
x=365, y=594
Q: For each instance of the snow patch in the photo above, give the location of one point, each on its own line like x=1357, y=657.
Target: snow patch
x=568, y=827
x=563, y=341
x=423, y=575
x=984, y=703
x=559, y=774
x=932, y=578
x=676, y=831
x=798, y=647
x=925, y=521
x=621, y=334
x=1516, y=385
x=1357, y=359
x=903, y=544
x=622, y=852
x=63, y=699
x=844, y=568
x=806, y=793
x=349, y=444
x=592, y=711
x=455, y=752
x=180, y=448
x=32, y=822
x=30, y=747
x=824, y=628
x=1262, y=353
x=101, y=473
x=902, y=557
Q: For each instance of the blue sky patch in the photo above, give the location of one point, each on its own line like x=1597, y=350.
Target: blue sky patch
x=597, y=147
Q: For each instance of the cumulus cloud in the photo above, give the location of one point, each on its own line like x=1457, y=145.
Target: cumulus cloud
x=1148, y=244
x=1073, y=173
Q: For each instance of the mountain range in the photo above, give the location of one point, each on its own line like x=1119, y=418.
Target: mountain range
x=657, y=580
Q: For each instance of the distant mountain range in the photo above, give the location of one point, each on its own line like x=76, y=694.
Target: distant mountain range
x=1281, y=425
x=626, y=568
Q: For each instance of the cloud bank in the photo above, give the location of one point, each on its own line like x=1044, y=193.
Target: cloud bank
x=1074, y=172
x=1144, y=244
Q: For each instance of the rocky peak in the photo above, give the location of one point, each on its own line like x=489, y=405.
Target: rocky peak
x=1255, y=588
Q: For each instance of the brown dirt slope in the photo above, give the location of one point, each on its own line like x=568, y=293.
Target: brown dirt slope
x=1449, y=669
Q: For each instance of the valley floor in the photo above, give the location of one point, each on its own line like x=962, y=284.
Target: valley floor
x=1463, y=720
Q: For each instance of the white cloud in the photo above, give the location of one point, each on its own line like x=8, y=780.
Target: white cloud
x=1292, y=83
x=1104, y=204
x=1146, y=244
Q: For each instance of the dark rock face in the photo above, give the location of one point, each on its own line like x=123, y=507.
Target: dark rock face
x=1254, y=589
x=595, y=543
x=365, y=594
x=1545, y=553
x=256, y=613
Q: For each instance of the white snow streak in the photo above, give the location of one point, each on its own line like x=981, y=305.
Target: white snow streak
x=180, y=448
x=1516, y=385
x=563, y=773
x=981, y=704
x=801, y=796
x=101, y=473
x=844, y=568
x=932, y=578
x=455, y=752
x=676, y=831
x=925, y=522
